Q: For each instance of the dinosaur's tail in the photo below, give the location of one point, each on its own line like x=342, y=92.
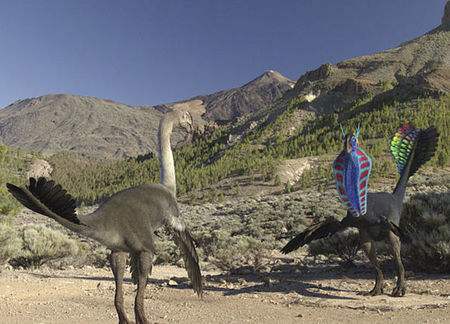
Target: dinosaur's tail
x=314, y=232
x=185, y=242
x=411, y=148
x=49, y=199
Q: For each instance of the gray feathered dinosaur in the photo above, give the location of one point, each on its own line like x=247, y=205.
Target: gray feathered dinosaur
x=126, y=222
x=411, y=148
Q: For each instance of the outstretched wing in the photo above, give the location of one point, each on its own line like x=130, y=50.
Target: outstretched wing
x=351, y=173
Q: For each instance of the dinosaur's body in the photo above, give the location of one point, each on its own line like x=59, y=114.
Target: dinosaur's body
x=151, y=207
x=126, y=222
x=380, y=221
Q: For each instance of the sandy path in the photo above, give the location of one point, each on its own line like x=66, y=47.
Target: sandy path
x=85, y=296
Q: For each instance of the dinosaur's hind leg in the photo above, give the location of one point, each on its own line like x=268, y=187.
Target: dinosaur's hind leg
x=369, y=248
x=118, y=263
x=400, y=288
x=144, y=268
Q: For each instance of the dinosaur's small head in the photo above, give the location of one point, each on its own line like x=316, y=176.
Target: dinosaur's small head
x=350, y=140
x=185, y=120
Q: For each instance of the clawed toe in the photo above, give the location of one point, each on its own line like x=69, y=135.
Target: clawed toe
x=399, y=291
x=374, y=292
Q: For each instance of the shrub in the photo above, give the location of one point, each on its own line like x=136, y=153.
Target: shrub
x=97, y=257
x=233, y=252
x=344, y=245
x=10, y=243
x=426, y=219
x=42, y=245
x=166, y=249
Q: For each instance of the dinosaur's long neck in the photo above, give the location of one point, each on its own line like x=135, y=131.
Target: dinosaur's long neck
x=166, y=164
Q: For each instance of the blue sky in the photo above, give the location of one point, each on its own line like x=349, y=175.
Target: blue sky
x=151, y=51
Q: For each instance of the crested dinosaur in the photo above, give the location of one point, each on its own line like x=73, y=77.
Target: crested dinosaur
x=375, y=214
x=126, y=222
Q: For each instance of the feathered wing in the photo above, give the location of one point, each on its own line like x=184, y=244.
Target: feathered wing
x=185, y=243
x=351, y=173
x=314, y=232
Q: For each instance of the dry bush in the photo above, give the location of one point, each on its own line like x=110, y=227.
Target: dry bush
x=234, y=252
x=426, y=219
x=344, y=245
x=166, y=249
x=42, y=245
x=10, y=243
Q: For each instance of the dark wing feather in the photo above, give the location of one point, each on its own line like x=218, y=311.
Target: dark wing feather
x=49, y=194
x=314, y=232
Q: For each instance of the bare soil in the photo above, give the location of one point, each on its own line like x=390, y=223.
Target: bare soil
x=288, y=293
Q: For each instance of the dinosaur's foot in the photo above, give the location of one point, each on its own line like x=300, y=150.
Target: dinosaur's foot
x=374, y=292
x=125, y=321
x=399, y=290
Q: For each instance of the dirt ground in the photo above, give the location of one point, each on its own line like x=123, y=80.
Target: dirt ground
x=288, y=293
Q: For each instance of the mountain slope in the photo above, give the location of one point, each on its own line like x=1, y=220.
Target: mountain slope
x=253, y=96
x=84, y=125
x=224, y=106
x=102, y=128
x=420, y=67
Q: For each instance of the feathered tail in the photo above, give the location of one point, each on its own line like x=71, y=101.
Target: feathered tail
x=185, y=243
x=314, y=232
x=411, y=148
x=49, y=199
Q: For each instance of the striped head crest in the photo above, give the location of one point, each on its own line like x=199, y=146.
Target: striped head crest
x=351, y=170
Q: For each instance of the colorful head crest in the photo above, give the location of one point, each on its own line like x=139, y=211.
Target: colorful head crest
x=351, y=172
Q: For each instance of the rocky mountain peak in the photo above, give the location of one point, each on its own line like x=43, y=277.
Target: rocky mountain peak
x=270, y=76
x=446, y=17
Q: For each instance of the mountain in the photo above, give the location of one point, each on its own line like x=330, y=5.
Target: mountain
x=417, y=67
x=224, y=106
x=103, y=128
x=251, y=97
x=84, y=125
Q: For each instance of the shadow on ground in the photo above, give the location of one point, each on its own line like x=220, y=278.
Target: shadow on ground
x=284, y=278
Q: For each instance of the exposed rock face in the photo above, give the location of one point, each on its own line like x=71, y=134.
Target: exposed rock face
x=225, y=106
x=290, y=171
x=253, y=96
x=39, y=168
x=420, y=66
x=446, y=16
x=353, y=87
